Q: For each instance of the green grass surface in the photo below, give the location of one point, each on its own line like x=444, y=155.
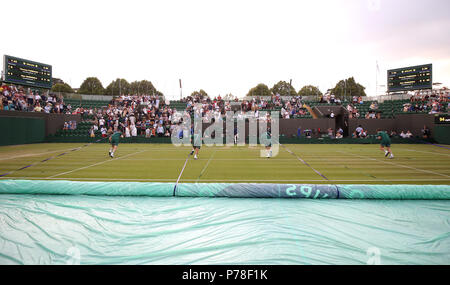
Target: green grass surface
x=341, y=164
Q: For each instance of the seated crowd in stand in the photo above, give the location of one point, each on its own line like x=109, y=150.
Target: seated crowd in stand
x=432, y=101
x=134, y=116
x=149, y=116
x=18, y=98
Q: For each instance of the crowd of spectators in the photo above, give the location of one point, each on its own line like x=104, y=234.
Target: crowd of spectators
x=150, y=116
x=18, y=98
x=360, y=132
x=133, y=115
x=426, y=133
x=432, y=101
x=293, y=107
x=329, y=98
x=353, y=111
x=70, y=125
x=200, y=106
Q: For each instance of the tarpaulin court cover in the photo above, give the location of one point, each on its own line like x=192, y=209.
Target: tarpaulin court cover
x=73, y=222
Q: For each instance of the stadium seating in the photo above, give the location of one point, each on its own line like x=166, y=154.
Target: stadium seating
x=178, y=105
x=87, y=104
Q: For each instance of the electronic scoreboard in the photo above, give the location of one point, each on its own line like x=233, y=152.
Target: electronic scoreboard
x=442, y=119
x=410, y=78
x=26, y=72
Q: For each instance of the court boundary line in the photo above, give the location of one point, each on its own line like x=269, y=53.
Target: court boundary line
x=221, y=180
x=305, y=163
x=205, y=167
x=251, y=159
x=428, y=152
x=95, y=164
x=400, y=165
x=179, y=177
x=33, y=155
x=333, y=161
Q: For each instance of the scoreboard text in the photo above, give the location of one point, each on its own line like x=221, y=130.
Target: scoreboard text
x=26, y=72
x=410, y=78
x=442, y=119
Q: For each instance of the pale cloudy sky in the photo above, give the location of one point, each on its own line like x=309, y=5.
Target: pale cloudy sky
x=229, y=46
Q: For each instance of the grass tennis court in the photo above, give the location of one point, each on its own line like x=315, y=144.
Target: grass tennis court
x=341, y=164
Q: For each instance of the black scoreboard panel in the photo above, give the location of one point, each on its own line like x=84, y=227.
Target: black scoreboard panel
x=26, y=72
x=410, y=78
x=442, y=119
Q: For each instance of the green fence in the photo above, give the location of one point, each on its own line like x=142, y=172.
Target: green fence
x=16, y=130
x=442, y=134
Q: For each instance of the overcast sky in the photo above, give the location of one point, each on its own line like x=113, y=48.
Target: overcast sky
x=229, y=46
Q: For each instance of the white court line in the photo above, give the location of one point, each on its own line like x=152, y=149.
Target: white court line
x=36, y=154
x=247, y=159
x=206, y=166
x=206, y=147
x=229, y=180
x=95, y=164
x=437, y=153
x=350, y=169
x=404, y=166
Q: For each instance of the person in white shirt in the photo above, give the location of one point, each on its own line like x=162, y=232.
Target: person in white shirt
x=132, y=119
x=217, y=115
x=103, y=131
x=133, y=130
x=359, y=130
x=330, y=133
x=48, y=108
x=160, y=131
x=148, y=133
x=30, y=99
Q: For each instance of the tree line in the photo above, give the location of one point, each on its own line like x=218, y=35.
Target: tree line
x=120, y=86
x=344, y=89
